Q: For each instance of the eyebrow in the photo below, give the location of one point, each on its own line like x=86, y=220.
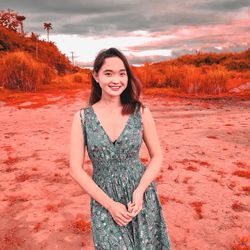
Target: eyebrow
x=110, y=70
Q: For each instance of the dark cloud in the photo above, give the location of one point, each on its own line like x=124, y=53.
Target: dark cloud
x=66, y=7
x=107, y=24
x=115, y=17
x=180, y=43
x=68, y=17
x=160, y=18
x=223, y=5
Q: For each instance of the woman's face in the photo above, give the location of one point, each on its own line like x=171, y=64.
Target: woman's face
x=112, y=76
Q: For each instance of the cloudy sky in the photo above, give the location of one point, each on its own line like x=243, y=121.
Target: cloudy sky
x=145, y=30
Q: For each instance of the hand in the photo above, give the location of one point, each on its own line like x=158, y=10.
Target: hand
x=136, y=206
x=120, y=213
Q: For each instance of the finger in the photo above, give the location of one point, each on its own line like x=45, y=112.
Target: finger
x=135, y=208
x=130, y=207
x=124, y=221
x=118, y=222
x=125, y=216
x=130, y=204
x=135, y=211
x=129, y=215
x=121, y=221
x=138, y=211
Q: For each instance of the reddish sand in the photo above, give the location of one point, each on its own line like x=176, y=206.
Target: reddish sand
x=204, y=185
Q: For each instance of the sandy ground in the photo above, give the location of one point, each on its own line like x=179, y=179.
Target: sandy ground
x=203, y=187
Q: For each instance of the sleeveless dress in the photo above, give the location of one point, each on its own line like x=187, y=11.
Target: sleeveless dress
x=117, y=170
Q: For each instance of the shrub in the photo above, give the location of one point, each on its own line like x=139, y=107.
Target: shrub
x=208, y=80
x=188, y=78
x=47, y=73
x=77, y=77
x=20, y=71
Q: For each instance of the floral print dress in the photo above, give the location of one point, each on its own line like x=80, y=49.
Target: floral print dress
x=117, y=170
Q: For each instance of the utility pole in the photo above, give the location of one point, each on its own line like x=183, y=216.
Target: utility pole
x=37, y=38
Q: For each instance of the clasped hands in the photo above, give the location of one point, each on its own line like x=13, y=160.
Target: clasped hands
x=121, y=214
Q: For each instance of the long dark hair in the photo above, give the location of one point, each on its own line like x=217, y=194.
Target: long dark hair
x=130, y=96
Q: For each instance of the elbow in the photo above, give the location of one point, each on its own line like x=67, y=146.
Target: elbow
x=75, y=172
x=160, y=160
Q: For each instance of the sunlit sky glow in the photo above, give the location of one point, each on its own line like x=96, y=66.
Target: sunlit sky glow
x=144, y=30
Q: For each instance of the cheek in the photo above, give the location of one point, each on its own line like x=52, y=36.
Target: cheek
x=125, y=81
x=104, y=81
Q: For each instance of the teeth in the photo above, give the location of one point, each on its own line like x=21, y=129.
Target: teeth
x=115, y=87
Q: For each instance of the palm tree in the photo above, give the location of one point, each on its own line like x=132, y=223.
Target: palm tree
x=20, y=19
x=48, y=27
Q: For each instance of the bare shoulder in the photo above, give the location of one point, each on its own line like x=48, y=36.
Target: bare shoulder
x=78, y=116
x=146, y=113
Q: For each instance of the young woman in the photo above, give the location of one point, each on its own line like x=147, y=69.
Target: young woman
x=125, y=209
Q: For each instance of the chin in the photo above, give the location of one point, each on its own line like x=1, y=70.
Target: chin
x=115, y=93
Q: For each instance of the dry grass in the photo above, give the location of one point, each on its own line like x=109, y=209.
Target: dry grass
x=51, y=208
x=246, y=189
x=10, y=240
x=241, y=173
x=192, y=168
x=159, y=178
x=37, y=227
x=163, y=199
x=186, y=179
x=20, y=71
x=239, y=207
x=23, y=177
x=242, y=243
x=214, y=79
x=79, y=225
x=15, y=199
x=197, y=205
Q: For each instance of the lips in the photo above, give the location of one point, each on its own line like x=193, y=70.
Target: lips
x=114, y=87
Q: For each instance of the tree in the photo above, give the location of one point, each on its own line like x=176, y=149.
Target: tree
x=8, y=19
x=20, y=19
x=48, y=27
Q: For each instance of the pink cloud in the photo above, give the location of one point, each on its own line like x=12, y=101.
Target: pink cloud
x=235, y=32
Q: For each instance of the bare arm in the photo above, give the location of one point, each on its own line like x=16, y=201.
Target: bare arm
x=152, y=142
x=77, y=154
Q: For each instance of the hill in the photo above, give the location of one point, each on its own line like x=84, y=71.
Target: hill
x=42, y=51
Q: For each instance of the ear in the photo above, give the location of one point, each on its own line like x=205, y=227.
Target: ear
x=95, y=75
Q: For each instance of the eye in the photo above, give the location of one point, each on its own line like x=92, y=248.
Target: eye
x=107, y=74
x=123, y=74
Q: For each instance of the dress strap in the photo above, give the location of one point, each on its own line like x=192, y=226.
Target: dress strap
x=83, y=117
x=138, y=114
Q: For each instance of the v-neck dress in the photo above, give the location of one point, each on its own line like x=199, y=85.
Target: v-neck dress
x=117, y=170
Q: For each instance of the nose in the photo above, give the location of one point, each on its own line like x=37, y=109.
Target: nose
x=116, y=79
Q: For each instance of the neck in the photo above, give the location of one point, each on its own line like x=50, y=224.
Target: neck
x=111, y=101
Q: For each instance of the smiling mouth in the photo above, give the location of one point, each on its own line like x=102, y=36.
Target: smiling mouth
x=115, y=87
